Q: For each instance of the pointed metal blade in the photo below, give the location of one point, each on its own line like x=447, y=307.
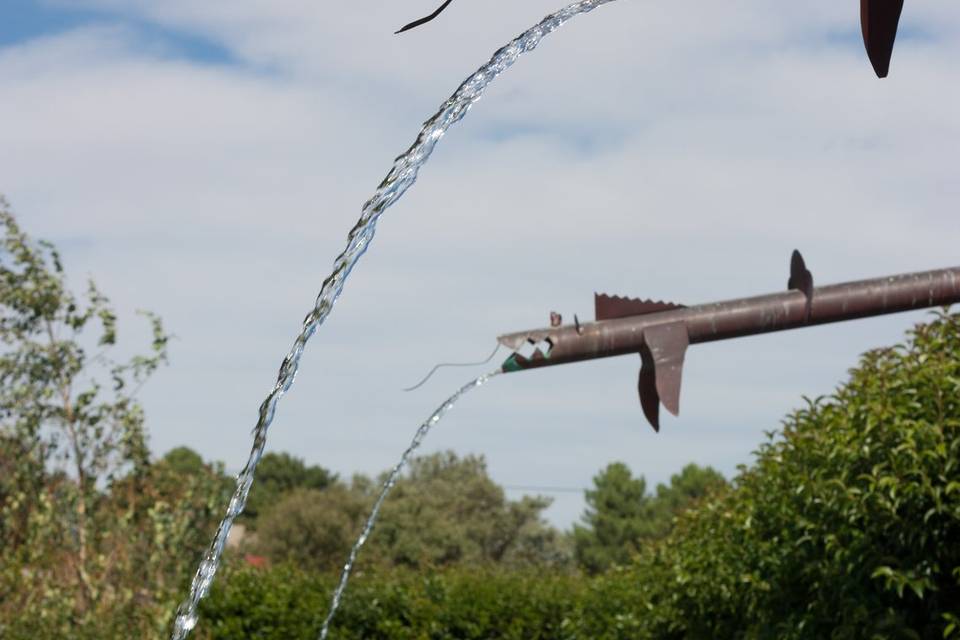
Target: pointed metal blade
x=879, y=20
x=801, y=279
x=668, y=345
x=647, y=388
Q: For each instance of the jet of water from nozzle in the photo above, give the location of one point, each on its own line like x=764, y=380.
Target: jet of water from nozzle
x=401, y=177
x=388, y=484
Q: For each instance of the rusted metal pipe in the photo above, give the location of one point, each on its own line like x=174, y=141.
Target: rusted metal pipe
x=661, y=332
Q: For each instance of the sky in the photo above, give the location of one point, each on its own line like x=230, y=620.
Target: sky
x=205, y=160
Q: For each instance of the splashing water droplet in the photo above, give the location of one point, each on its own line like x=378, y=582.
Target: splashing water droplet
x=401, y=177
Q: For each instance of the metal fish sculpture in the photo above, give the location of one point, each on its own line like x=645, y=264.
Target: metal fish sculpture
x=661, y=332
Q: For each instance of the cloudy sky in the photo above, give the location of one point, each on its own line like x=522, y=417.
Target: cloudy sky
x=206, y=159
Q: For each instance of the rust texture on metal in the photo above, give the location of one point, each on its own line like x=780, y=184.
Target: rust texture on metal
x=661, y=337
x=879, y=20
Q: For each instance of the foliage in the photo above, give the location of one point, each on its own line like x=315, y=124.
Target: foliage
x=620, y=517
x=616, y=519
x=686, y=488
x=311, y=528
x=461, y=602
x=91, y=546
x=445, y=510
x=846, y=526
x=280, y=473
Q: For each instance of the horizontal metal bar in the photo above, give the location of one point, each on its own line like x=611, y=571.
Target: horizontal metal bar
x=740, y=317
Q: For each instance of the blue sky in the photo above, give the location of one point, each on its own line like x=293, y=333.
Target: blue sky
x=25, y=20
x=206, y=160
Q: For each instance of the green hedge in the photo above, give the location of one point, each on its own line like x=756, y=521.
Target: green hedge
x=287, y=603
x=846, y=526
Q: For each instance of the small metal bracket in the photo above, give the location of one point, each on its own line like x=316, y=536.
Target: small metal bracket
x=801, y=279
x=662, y=354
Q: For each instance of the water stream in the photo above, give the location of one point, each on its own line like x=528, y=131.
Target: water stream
x=388, y=484
x=400, y=178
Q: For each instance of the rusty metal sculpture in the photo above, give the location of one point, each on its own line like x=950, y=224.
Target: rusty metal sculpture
x=878, y=20
x=661, y=332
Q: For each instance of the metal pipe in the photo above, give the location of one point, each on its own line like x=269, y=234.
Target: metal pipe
x=661, y=332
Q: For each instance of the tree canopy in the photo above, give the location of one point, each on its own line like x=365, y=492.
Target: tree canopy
x=95, y=537
x=279, y=474
x=445, y=510
x=621, y=517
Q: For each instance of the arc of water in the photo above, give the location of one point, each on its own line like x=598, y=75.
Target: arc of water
x=400, y=178
x=388, y=484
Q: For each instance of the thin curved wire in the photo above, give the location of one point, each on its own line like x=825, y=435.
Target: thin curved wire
x=401, y=177
x=453, y=364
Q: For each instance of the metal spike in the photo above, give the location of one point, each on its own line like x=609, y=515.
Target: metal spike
x=647, y=388
x=879, y=20
x=801, y=279
x=668, y=344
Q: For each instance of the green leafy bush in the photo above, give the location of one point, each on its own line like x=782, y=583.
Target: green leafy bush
x=847, y=525
x=474, y=603
x=96, y=540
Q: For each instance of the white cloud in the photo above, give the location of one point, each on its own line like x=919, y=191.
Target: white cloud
x=674, y=150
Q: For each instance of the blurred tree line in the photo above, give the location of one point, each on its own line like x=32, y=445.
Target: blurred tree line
x=447, y=511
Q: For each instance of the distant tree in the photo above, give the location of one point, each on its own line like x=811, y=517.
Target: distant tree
x=447, y=510
x=279, y=474
x=617, y=517
x=181, y=466
x=620, y=517
x=444, y=511
x=311, y=528
x=685, y=490
x=183, y=460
